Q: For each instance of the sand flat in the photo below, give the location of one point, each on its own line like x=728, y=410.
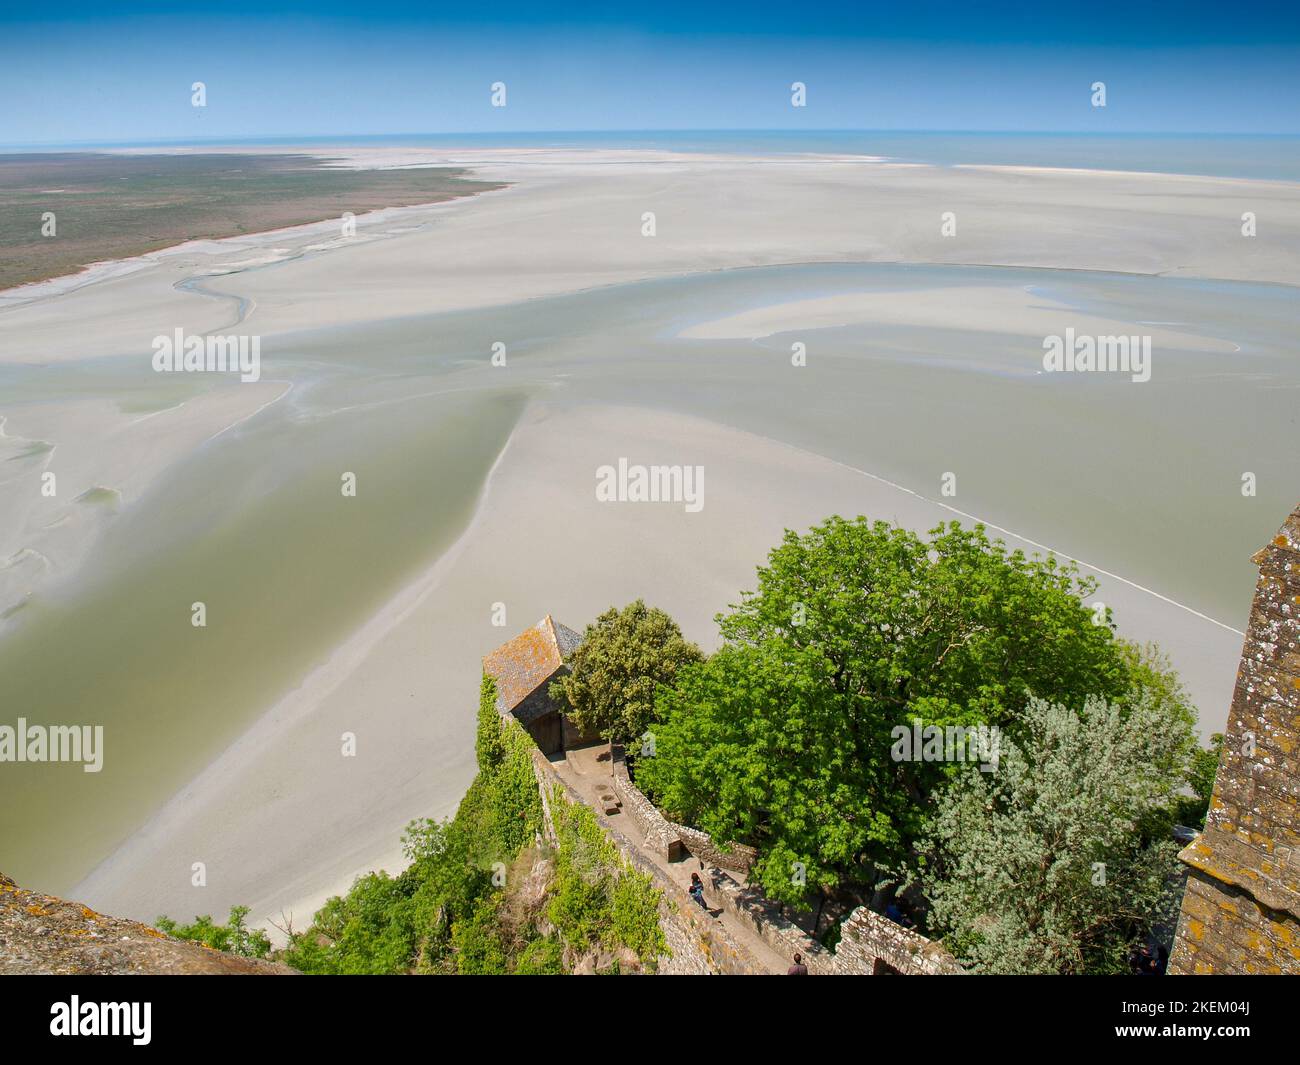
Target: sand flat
x=572, y=220
x=282, y=820
x=979, y=309
x=104, y=458
x=280, y=817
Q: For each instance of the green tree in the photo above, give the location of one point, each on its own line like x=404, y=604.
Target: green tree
x=783, y=738
x=232, y=936
x=1060, y=859
x=623, y=660
x=955, y=620
x=753, y=750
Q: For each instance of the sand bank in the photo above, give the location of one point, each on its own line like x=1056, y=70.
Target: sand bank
x=573, y=220
x=978, y=309
x=281, y=819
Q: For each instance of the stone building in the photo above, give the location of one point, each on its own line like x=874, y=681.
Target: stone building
x=1241, y=909
x=523, y=669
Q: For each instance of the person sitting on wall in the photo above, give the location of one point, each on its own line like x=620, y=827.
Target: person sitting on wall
x=697, y=890
x=798, y=968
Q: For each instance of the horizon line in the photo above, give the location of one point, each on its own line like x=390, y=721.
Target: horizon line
x=274, y=138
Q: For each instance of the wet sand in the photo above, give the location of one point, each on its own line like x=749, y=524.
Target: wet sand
x=372, y=620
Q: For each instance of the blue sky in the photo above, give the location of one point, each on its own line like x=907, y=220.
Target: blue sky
x=80, y=72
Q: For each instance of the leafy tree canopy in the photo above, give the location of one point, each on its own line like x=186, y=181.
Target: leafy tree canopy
x=783, y=738
x=623, y=660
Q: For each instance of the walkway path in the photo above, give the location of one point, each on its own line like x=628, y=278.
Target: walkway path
x=588, y=771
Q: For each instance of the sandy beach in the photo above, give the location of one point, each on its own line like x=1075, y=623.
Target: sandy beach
x=279, y=818
x=283, y=821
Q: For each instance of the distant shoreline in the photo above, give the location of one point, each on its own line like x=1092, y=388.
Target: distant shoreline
x=116, y=191
x=109, y=207
x=1250, y=156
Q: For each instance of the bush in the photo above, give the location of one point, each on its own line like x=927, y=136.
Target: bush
x=231, y=936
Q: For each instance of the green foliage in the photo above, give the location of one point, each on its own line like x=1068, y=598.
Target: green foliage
x=447, y=913
x=231, y=936
x=952, y=620
x=1191, y=810
x=584, y=867
x=1060, y=859
x=623, y=660
x=754, y=750
x=542, y=957
x=488, y=745
x=596, y=899
x=477, y=941
x=368, y=931
x=507, y=809
x=1152, y=677
x=435, y=913
x=782, y=739
x=634, y=916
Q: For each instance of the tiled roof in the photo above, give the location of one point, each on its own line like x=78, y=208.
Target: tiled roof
x=532, y=658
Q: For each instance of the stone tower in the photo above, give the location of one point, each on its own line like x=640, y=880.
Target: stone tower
x=1241, y=910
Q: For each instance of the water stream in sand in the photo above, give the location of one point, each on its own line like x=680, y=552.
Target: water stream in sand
x=1140, y=479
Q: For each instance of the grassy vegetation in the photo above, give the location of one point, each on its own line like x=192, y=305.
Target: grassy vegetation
x=484, y=896
x=116, y=206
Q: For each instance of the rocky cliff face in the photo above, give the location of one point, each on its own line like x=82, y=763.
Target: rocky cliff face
x=41, y=934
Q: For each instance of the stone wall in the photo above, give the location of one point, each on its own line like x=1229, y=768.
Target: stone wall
x=1241, y=909
x=700, y=946
x=867, y=938
x=767, y=920
x=661, y=834
x=1223, y=929
x=873, y=945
